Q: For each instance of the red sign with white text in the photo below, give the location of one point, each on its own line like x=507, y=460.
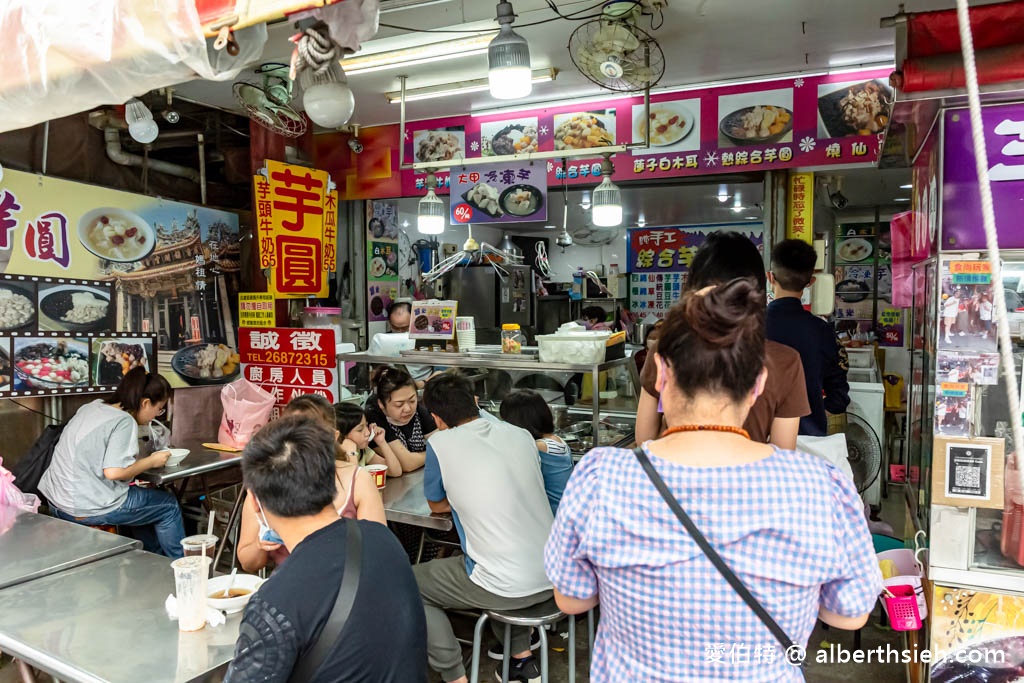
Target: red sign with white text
x=290, y=362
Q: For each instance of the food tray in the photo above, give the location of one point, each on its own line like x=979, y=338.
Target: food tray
x=573, y=349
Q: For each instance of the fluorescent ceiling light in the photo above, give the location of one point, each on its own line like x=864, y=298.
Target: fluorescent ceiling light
x=902, y=199
x=421, y=54
x=905, y=187
x=459, y=88
x=399, y=5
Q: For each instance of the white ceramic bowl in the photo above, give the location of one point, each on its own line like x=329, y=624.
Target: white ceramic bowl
x=177, y=455
x=232, y=605
x=88, y=218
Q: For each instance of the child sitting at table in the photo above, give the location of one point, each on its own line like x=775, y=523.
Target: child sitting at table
x=527, y=409
x=356, y=436
x=356, y=496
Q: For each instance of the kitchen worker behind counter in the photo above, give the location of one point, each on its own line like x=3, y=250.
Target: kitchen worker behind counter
x=95, y=459
x=391, y=343
x=775, y=416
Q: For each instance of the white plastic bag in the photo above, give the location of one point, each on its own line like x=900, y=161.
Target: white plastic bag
x=13, y=497
x=831, y=448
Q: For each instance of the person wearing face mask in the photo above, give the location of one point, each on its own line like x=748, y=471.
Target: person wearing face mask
x=396, y=407
x=356, y=498
x=95, y=459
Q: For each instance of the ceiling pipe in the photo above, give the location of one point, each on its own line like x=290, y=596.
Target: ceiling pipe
x=117, y=154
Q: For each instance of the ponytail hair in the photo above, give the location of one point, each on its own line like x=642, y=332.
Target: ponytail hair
x=714, y=340
x=137, y=385
x=386, y=380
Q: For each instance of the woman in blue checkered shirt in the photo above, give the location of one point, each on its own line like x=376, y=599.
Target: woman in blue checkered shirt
x=789, y=524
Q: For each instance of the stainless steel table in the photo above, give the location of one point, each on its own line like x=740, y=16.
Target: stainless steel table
x=105, y=622
x=36, y=545
x=404, y=502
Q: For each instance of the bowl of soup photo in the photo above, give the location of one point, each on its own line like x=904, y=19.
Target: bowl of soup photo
x=241, y=590
x=116, y=235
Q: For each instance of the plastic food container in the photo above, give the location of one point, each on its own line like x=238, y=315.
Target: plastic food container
x=323, y=317
x=582, y=347
x=512, y=338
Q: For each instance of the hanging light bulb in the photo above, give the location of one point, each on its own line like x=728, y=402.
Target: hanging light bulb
x=430, y=213
x=723, y=194
x=328, y=100
x=607, y=201
x=141, y=125
x=508, y=59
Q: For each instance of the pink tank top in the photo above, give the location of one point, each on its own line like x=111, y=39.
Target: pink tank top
x=348, y=510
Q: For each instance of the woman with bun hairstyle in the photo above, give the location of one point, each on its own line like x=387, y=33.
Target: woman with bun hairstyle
x=407, y=425
x=356, y=496
x=789, y=525
x=96, y=458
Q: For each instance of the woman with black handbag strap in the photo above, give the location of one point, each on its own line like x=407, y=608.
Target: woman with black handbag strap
x=710, y=555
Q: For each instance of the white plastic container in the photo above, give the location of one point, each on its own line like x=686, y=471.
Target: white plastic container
x=861, y=358
x=580, y=348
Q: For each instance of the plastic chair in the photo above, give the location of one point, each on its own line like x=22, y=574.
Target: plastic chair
x=538, y=616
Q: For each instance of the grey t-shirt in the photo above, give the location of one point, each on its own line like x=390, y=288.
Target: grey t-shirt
x=490, y=473
x=97, y=437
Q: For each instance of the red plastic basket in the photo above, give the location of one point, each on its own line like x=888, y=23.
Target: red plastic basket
x=902, y=608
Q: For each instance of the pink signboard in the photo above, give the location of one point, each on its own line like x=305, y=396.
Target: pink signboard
x=807, y=121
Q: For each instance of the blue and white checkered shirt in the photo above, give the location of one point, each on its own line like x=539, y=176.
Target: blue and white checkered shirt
x=791, y=526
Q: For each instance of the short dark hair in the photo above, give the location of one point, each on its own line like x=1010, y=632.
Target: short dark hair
x=725, y=256
x=289, y=467
x=399, y=305
x=714, y=342
x=386, y=380
x=527, y=409
x=450, y=397
x=594, y=312
x=137, y=385
x=793, y=264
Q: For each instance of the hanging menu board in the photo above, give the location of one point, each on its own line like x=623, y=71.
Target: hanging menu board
x=56, y=338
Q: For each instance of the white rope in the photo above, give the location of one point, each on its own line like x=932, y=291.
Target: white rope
x=316, y=50
x=991, y=237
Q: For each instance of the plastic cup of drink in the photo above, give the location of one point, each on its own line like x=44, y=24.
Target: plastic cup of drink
x=379, y=474
x=190, y=581
x=200, y=544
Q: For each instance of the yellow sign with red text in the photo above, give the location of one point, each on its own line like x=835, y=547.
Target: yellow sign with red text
x=296, y=214
x=800, y=208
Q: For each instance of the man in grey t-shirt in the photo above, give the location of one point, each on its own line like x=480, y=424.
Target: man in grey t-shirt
x=487, y=473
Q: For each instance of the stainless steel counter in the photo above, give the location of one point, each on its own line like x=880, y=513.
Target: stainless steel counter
x=199, y=461
x=405, y=502
x=35, y=545
x=105, y=622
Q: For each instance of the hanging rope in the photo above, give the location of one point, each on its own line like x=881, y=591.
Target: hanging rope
x=315, y=49
x=991, y=236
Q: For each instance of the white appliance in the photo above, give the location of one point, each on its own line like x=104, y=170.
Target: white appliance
x=867, y=401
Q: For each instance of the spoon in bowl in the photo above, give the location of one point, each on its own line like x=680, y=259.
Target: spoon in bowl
x=231, y=583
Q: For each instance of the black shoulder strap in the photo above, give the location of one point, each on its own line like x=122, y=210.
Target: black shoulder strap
x=307, y=667
x=737, y=585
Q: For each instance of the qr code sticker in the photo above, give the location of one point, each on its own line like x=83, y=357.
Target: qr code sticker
x=968, y=477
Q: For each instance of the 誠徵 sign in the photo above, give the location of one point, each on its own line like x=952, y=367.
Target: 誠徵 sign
x=290, y=362
x=297, y=214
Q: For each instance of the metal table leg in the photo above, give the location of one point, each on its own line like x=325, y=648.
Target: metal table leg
x=233, y=519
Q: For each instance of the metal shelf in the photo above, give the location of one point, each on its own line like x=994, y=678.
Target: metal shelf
x=499, y=361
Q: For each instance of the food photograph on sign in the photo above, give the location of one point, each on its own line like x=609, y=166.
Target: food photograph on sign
x=855, y=249
x=381, y=294
x=42, y=363
x=584, y=130
x=17, y=306
x=199, y=364
x=75, y=308
x=383, y=260
x=383, y=220
x=6, y=374
x=675, y=126
x=853, y=108
x=519, y=136
x=759, y=118
x=442, y=144
x=115, y=357
x=502, y=193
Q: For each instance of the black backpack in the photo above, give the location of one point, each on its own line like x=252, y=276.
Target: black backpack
x=30, y=469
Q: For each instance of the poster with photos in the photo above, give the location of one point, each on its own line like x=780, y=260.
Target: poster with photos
x=6, y=374
x=50, y=363
x=966, y=320
x=954, y=409
x=75, y=307
x=969, y=368
x=115, y=357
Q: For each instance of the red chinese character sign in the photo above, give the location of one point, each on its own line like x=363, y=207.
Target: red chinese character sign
x=504, y=193
x=290, y=362
x=296, y=215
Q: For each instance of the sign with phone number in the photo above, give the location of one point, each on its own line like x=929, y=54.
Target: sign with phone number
x=290, y=362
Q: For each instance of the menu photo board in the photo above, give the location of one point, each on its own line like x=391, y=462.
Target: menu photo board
x=382, y=281
x=290, y=362
x=513, y=192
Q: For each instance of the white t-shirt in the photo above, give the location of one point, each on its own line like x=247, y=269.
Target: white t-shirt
x=949, y=308
x=97, y=437
x=985, y=310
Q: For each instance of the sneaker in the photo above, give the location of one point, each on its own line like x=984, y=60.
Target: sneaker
x=496, y=650
x=525, y=670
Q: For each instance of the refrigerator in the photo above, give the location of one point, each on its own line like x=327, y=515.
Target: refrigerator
x=493, y=300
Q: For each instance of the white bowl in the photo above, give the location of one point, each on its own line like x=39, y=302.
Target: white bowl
x=232, y=605
x=138, y=221
x=177, y=455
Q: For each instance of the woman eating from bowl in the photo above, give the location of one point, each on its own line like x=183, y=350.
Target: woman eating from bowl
x=356, y=497
x=95, y=459
x=396, y=407
x=789, y=525
x=356, y=434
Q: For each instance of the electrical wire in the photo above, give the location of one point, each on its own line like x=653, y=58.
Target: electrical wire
x=572, y=16
x=991, y=235
x=33, y=410
x=541, y=263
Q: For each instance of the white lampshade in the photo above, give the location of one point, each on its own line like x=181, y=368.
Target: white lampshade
x=141, y=125
x=607, y=204
x=430, y=214
x=508, y=61
x=329, y=105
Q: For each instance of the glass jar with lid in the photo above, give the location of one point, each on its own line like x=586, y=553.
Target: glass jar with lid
x=512, y=338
